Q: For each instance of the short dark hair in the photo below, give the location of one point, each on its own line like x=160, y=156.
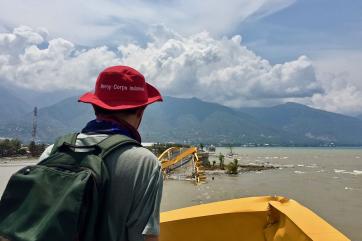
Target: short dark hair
x=100, y=111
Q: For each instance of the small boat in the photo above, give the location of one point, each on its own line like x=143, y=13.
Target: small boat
x=211, y=148
x=263, y=218
x=231, y=154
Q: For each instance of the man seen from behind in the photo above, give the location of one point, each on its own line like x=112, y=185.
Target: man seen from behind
x=133, y=201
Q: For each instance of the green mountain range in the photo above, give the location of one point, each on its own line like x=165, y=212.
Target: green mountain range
x=11, y=107
x=318, y=125
x=194, y=121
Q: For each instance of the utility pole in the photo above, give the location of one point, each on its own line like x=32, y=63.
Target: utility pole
x=35, y=119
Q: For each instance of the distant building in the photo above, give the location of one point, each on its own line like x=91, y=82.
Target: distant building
x=148, y=144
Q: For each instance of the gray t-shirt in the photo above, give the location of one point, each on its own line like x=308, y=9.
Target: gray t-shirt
x=133, y=208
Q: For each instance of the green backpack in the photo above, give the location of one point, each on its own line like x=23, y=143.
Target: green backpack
x=60, y=198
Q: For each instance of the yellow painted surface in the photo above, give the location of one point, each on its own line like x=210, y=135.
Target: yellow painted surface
x=311, y=224
x=250, y=219
x=165, y=162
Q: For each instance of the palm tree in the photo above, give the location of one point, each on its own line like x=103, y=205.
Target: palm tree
x=232, y=168
x=221, y=159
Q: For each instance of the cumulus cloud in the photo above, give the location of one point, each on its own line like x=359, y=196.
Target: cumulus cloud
x=219, y=70
x=341, y=95
x=339, y=72
x=87, y=22
x=59, y=65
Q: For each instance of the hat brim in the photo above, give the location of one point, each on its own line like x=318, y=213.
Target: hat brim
x=90, y=98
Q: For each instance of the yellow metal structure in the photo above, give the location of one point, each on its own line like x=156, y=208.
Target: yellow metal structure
x=247, y=219
x=175, y=155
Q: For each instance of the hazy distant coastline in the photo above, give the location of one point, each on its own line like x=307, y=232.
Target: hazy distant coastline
x=193, y=121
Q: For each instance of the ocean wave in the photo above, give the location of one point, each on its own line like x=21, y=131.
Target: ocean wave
x=312, y=166
x=354, y=172
x=287, y=165
x=339, y=171
x=298, y=172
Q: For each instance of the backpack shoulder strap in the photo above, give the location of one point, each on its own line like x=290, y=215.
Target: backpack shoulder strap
x=113, y=142
x=69, y=138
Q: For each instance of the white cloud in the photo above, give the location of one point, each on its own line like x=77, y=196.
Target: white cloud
x=198, y=62
x=88, y=22
x=222, y=70
x=347, y=63
x=214, y=69
x=347, y=100
x=58, y=66
x=218, y=70
x=339, y=72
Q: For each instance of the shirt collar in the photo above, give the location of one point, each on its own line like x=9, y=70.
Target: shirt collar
x=106, y=125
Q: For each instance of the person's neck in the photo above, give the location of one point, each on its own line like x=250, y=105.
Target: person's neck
x=122, y=121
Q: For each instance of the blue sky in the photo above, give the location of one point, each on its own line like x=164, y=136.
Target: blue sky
x=235, y=52
x=306, y=27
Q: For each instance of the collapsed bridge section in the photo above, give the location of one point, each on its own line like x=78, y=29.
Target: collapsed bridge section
x=176, y=157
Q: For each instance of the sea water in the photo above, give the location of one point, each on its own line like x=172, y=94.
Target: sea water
x=325, y=180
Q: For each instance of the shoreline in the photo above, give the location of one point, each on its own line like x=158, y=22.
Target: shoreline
x=17, y=161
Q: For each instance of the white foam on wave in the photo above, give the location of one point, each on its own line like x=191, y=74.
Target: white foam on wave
x=339, y=171
x=298, y=172
x=354, y=172
x=300, y=165
x=282, y=165
x=357, y=172
x=312, y=166
x=288, y=165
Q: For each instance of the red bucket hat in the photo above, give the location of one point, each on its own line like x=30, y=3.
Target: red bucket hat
x=121, y=87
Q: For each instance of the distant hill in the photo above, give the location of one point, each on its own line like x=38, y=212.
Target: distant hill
x=193, y=120
x=11, y=107
x=53, y=121
x=196, y=121
x=42, y=98
x=174, y=120
x=359, y=116
x=315, y=124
